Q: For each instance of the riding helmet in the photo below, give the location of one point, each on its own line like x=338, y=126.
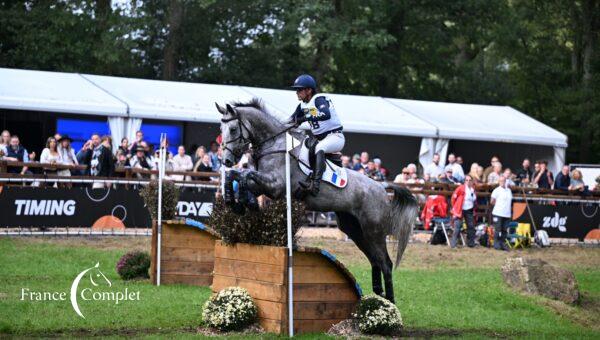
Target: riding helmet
x=305, y=81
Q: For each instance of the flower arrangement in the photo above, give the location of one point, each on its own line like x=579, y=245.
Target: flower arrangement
x=376, y=315
x=232, y=309
x=134, y=265
x=170, y=196
x=266, y=226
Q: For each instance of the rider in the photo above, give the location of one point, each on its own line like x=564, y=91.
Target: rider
x=319, y=112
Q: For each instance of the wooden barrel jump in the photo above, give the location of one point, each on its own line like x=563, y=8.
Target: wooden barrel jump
x=325, y=292
x=187, y=253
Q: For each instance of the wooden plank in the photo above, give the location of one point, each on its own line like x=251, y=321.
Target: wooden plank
x=186, y=267
x=258, y=290
x=153, y=253
x=310, y=259
x=271, y=326
x=318, y=274
x=182, y=241
x=252, y=253
x=250, y=270
x=193, y=280
x=271, y=309
x=314, y=326
x=188, y=254
x=180, y=229
x=341, y=292
x=323, y=310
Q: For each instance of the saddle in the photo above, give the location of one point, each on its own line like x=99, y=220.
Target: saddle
x=334, y=173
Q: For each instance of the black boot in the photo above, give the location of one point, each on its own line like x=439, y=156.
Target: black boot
x=315, y=180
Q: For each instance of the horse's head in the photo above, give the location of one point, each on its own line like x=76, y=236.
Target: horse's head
x=97, y=277
x=234, y=134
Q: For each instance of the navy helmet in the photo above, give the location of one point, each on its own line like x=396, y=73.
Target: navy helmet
x=305, y=81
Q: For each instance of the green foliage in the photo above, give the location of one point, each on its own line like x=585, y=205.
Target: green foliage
x=134, y=265
x=170, y=196
x=539, y=56
x=231, y=309
x=266, y=226
x=376, y=315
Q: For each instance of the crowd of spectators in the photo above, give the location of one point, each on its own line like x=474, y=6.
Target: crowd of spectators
x=101, y=160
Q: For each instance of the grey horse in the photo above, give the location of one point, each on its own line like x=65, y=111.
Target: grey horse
x=363, y=210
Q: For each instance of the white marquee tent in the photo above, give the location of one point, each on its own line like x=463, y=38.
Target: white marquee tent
x=126, y=102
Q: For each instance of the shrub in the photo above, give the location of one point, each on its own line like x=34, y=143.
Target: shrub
x=262, y=227
x=376, y=315
x=232, y=309
x=170, y=196
x=134, y=265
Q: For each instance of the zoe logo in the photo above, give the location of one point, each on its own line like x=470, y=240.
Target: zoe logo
x=555, y=222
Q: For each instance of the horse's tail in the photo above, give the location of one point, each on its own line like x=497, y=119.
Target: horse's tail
x=403, y=214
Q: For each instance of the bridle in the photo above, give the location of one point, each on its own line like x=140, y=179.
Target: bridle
x=246, y=140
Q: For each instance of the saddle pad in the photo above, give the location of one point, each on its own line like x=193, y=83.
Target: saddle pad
x=333, y=174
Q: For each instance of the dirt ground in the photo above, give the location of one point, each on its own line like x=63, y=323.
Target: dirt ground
x=417, y=255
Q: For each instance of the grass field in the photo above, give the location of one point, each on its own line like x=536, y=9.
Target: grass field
x=440, y=292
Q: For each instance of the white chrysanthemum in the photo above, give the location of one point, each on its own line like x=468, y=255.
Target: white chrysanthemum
x=376, y=315
x=230, y=309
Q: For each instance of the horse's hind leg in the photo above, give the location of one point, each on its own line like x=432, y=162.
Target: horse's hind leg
x=351, y=227
x=382, y=257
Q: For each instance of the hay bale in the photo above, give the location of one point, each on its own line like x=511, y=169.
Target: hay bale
x=535, y=276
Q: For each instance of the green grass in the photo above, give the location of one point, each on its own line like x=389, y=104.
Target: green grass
x=471, y=303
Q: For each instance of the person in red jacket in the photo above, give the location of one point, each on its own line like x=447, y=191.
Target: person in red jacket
x=463, y=204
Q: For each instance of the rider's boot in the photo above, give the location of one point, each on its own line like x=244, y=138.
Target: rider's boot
x=313, y=186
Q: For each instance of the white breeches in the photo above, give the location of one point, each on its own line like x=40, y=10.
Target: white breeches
x=334, y=142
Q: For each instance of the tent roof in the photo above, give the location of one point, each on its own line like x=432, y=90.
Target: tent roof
x=358, y=113
x=155, y=99
x=483, y=122
x=56, y=92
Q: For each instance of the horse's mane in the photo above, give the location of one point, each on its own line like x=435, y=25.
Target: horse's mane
x=255, y=102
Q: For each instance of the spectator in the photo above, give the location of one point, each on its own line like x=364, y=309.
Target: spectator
x=402, y=177
x=102, y=164
x=380, y=168
x=197, y=157
x=480, y=174
x=459, y=161
x=494, y=176
x=141, y=161
x=490, y=168
x=57, y=136
x=543, y=178
x=355, y=161
x=122, y=160
x=474, y=173
x=181, y=162
x=457, y=171
x=124, y=147
x=215, y=160
x=364, y=162
x=434, y=170
x=139, y=138
x=597, y=187
x=4, y=142
x=536, y=169
x=463, y=204
x=50, y=155
x=412, y=170
x=524, y=174
x=563, y=180
x=509, y=177
x=204, y=165
x=373, y=172
x=84, y=156
x=576, y=181
x=16, y=152
x=448, y=178
x=346, y=162
x=501, y=214
x=67, y=154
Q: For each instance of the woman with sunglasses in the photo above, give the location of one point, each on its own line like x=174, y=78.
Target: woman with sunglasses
x=464, y=201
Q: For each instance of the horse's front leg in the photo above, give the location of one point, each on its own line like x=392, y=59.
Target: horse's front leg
x=259, y=183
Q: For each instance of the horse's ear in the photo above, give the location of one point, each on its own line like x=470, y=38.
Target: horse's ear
x=230, y=109
x=220, y=108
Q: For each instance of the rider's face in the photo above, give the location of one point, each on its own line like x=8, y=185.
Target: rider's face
x=303, y=94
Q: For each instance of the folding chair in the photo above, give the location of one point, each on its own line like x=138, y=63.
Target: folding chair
x=439, y=222
x=521, y=236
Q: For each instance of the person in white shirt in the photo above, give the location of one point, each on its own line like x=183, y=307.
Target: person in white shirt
x=181, y=162
x=434, y=170
x=501, y=214
x=67, y=154
x=457, y=171
x=466, y=192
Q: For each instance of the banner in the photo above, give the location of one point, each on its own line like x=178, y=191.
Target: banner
x=84, y=207
x=572, y=220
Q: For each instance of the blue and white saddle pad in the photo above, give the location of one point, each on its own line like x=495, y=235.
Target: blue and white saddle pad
x=333, y=174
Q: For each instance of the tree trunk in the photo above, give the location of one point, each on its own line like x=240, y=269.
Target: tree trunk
x=588, y=44
x=171, y=52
